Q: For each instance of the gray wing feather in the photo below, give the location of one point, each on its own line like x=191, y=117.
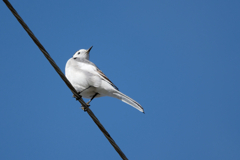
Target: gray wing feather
x=104, y=77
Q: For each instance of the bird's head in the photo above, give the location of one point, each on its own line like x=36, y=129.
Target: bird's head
x=82, y=53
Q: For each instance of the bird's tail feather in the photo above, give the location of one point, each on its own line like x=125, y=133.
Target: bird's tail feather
x=119, y=95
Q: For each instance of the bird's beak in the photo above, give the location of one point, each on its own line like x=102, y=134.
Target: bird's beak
x=89, y=49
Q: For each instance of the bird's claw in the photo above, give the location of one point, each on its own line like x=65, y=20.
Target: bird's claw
x=85, y=108
x=77, y=97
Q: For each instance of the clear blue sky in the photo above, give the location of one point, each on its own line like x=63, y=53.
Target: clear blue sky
x=179, y=59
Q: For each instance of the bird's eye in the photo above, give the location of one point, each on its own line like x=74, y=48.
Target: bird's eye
x=78, y=52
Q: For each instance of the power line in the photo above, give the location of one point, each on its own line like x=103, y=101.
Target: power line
x=78, y=97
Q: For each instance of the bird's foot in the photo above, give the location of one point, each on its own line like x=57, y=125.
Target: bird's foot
x=77, y=97
x=85, y=108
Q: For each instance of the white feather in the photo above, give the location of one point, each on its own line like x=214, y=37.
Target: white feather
x=87, y=79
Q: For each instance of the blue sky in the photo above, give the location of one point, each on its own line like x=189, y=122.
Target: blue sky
x=178, y=59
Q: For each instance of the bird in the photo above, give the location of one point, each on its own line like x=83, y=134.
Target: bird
x=90, y=82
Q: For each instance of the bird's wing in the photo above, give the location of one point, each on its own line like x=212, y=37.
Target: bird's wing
x=104, y=77
x=96, y=69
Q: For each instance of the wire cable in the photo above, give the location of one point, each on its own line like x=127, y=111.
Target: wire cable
x=58, y=70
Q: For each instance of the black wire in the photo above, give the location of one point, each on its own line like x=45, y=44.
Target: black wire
x=78, y=97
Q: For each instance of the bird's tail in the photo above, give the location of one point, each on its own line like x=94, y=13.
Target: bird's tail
x=119, y=95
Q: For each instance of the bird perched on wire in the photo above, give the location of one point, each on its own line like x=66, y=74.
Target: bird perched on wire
x=90, y=82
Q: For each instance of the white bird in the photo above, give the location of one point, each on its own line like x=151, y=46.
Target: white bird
x=90, y=82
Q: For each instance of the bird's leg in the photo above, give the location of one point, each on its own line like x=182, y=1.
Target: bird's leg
x=80, y=93
x=89, y=101
x=92, y=98
x=77, y=97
